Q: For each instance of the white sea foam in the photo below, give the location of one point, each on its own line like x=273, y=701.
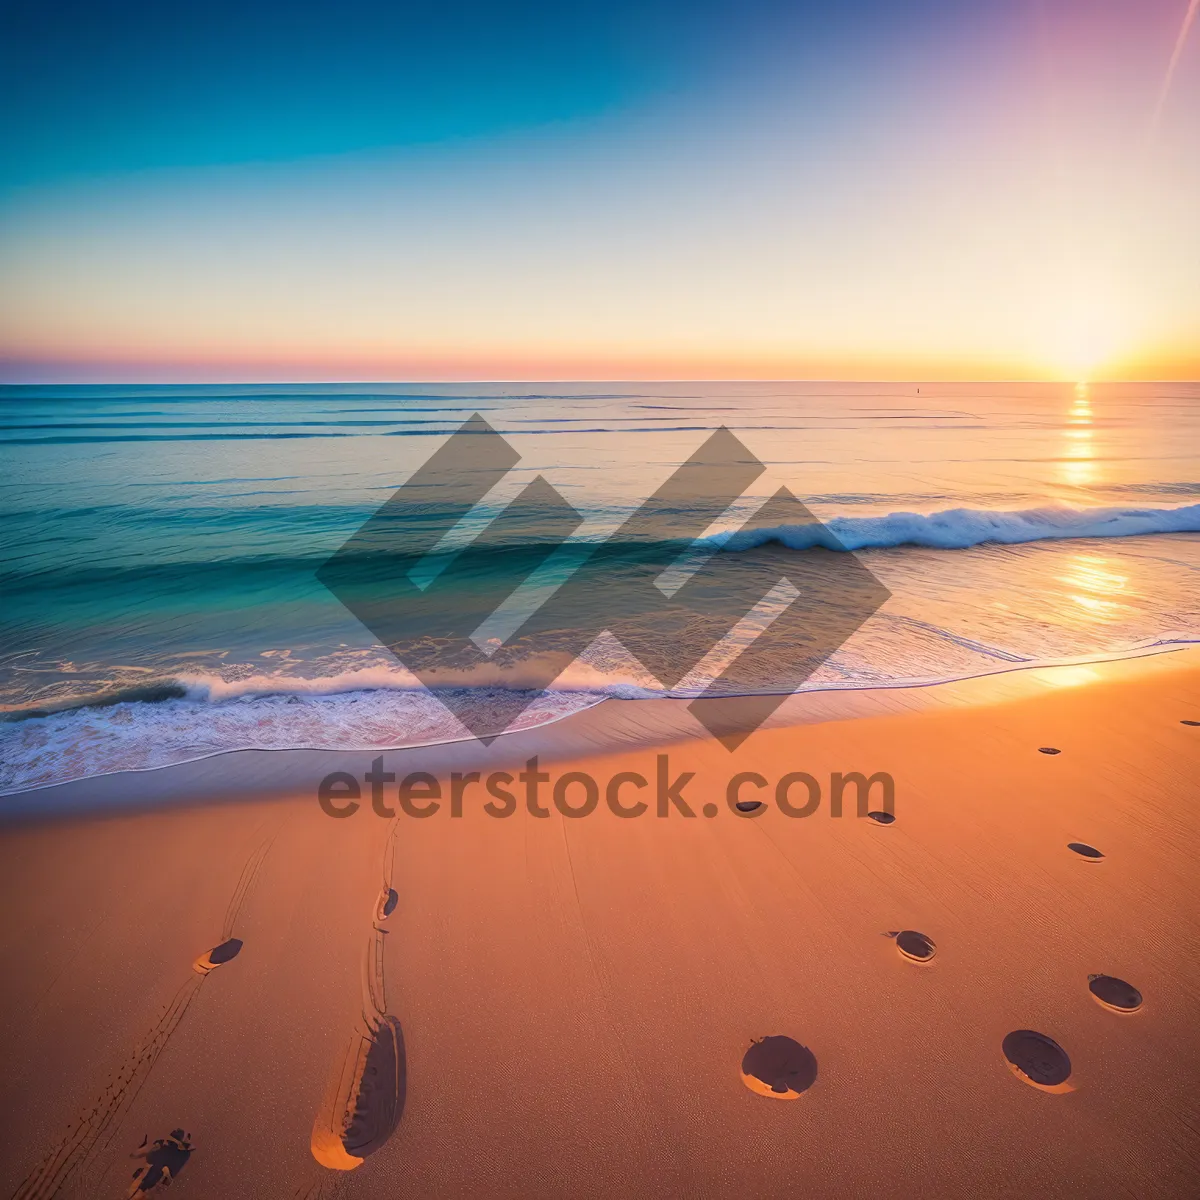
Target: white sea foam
x=961, y=528
x=182, y=717
x=80, y=743
x=218, y=717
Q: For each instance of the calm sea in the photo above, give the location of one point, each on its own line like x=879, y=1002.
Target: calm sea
x=160, y=544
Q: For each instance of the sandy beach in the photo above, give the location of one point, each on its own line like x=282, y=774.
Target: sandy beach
x=600, y=601
x=569, y=1001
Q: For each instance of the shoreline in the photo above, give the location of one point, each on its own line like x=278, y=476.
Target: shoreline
x=612, y=725
x=570, y=1004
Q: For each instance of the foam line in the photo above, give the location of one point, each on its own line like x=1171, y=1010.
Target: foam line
x=960, y=528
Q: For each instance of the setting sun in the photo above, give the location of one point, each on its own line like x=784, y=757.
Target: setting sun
x=601, y=600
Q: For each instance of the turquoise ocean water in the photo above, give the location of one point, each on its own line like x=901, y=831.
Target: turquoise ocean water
x=159, y=544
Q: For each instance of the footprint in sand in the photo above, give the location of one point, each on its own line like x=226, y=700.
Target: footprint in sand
x=386, y=904
x=916, y=947
x=779, y=1067
x=364, y=1099
x=1037, y=1060
x=217, y=956
x=1048, y=750
x=230, y=947
x=87, y=1137
x=1086, y=852
x=882, y=818
x=1114, y=994
x=164, y=1160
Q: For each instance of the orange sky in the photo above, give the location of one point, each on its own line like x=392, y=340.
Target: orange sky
x=1000, y=198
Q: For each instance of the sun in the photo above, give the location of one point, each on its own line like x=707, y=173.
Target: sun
x=1085, y=339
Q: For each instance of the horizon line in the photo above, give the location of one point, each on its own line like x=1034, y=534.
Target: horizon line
x=290, y=382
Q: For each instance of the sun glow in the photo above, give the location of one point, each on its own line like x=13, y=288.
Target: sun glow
x=1077, y=466
x=1068, y=676
x=852, y=222
x=1088, y=338
x=1095, y=586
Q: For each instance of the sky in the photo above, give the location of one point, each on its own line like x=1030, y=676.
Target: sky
x=638, y=189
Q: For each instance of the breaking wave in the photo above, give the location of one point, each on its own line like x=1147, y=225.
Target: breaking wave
x=205, y=720
x=961, y=528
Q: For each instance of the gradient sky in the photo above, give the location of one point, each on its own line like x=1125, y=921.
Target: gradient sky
x=961, y=189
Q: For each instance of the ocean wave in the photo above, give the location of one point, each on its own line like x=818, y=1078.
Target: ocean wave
x=136, y=735
x=603, y=670
x=175, y=722
x=961, y=528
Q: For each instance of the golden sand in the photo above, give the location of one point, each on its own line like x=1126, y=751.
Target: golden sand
x=569, y=1002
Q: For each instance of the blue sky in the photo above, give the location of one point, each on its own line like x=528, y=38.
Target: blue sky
x=714, y=189
x=95, y=86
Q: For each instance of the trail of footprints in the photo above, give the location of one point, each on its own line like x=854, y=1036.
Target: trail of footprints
x=94, y=1131
x=364, y=1099
x=769, y=1069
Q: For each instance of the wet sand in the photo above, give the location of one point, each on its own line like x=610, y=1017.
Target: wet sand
x=563, y=1007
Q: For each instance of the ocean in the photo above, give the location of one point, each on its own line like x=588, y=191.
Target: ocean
x=160, y=544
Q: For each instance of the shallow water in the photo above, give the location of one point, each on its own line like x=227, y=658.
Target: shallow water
x=160, y=544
